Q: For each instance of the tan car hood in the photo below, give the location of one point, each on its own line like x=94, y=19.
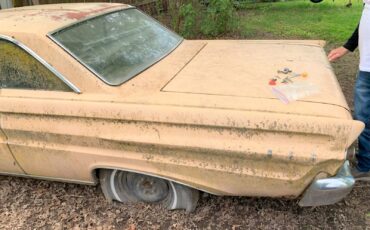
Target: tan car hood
x=244, y=69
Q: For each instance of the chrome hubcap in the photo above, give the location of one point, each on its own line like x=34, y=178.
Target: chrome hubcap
x=147, y=188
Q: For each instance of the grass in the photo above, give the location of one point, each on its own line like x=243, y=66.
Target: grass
x=330, y=21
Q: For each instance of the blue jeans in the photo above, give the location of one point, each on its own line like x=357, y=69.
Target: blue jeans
x=362, y=113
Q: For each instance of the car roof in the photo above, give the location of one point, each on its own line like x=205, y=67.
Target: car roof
x=43, y=19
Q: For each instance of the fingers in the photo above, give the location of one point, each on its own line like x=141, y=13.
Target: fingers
x=337, y=53
x=334, y=57
x=331, y=55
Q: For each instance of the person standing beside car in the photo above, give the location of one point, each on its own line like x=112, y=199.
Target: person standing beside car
x=361, y=39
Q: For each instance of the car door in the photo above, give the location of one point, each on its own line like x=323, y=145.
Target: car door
x=8, y=164
x=27, y=83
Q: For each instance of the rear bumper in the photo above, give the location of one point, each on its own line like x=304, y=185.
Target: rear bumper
x=329, y=190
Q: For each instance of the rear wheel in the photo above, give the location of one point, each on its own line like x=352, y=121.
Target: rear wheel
x=129, y=187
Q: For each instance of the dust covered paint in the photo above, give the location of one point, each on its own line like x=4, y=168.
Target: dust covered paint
x=7, y=162
x=52, y=16
x=236, y=152
x=196, y=117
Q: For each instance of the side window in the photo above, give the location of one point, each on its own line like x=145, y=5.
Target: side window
x=20, y=70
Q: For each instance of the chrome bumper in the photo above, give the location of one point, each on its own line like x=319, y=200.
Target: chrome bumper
x=329, y=190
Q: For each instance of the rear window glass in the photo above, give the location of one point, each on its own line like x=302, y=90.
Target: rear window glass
x=119, y=45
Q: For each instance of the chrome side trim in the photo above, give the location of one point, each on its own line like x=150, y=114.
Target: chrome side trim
x=50, y=36
x=42, y=61
x=329, y=190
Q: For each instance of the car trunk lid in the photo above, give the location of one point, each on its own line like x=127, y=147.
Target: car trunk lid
x=245, y=68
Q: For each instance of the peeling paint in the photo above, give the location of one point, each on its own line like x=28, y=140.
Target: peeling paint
x=85, y=14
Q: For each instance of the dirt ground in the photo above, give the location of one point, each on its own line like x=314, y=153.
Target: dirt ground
x=35, y=204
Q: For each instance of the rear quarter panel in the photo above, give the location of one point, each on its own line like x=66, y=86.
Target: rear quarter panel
x=224, y=152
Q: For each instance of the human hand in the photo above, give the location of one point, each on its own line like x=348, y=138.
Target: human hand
x=337, y=53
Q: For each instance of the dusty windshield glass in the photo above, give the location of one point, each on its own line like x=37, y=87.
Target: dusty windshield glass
x=119, y=45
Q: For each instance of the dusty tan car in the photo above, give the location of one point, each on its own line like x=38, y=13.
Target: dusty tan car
x=103, y=93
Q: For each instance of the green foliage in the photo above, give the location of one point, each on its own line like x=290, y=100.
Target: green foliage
x=188, y=18
x=159, y=6
x=330, y=21
x=220, y=18
x=291, y=19
x=194, y=18
x=174, y=13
